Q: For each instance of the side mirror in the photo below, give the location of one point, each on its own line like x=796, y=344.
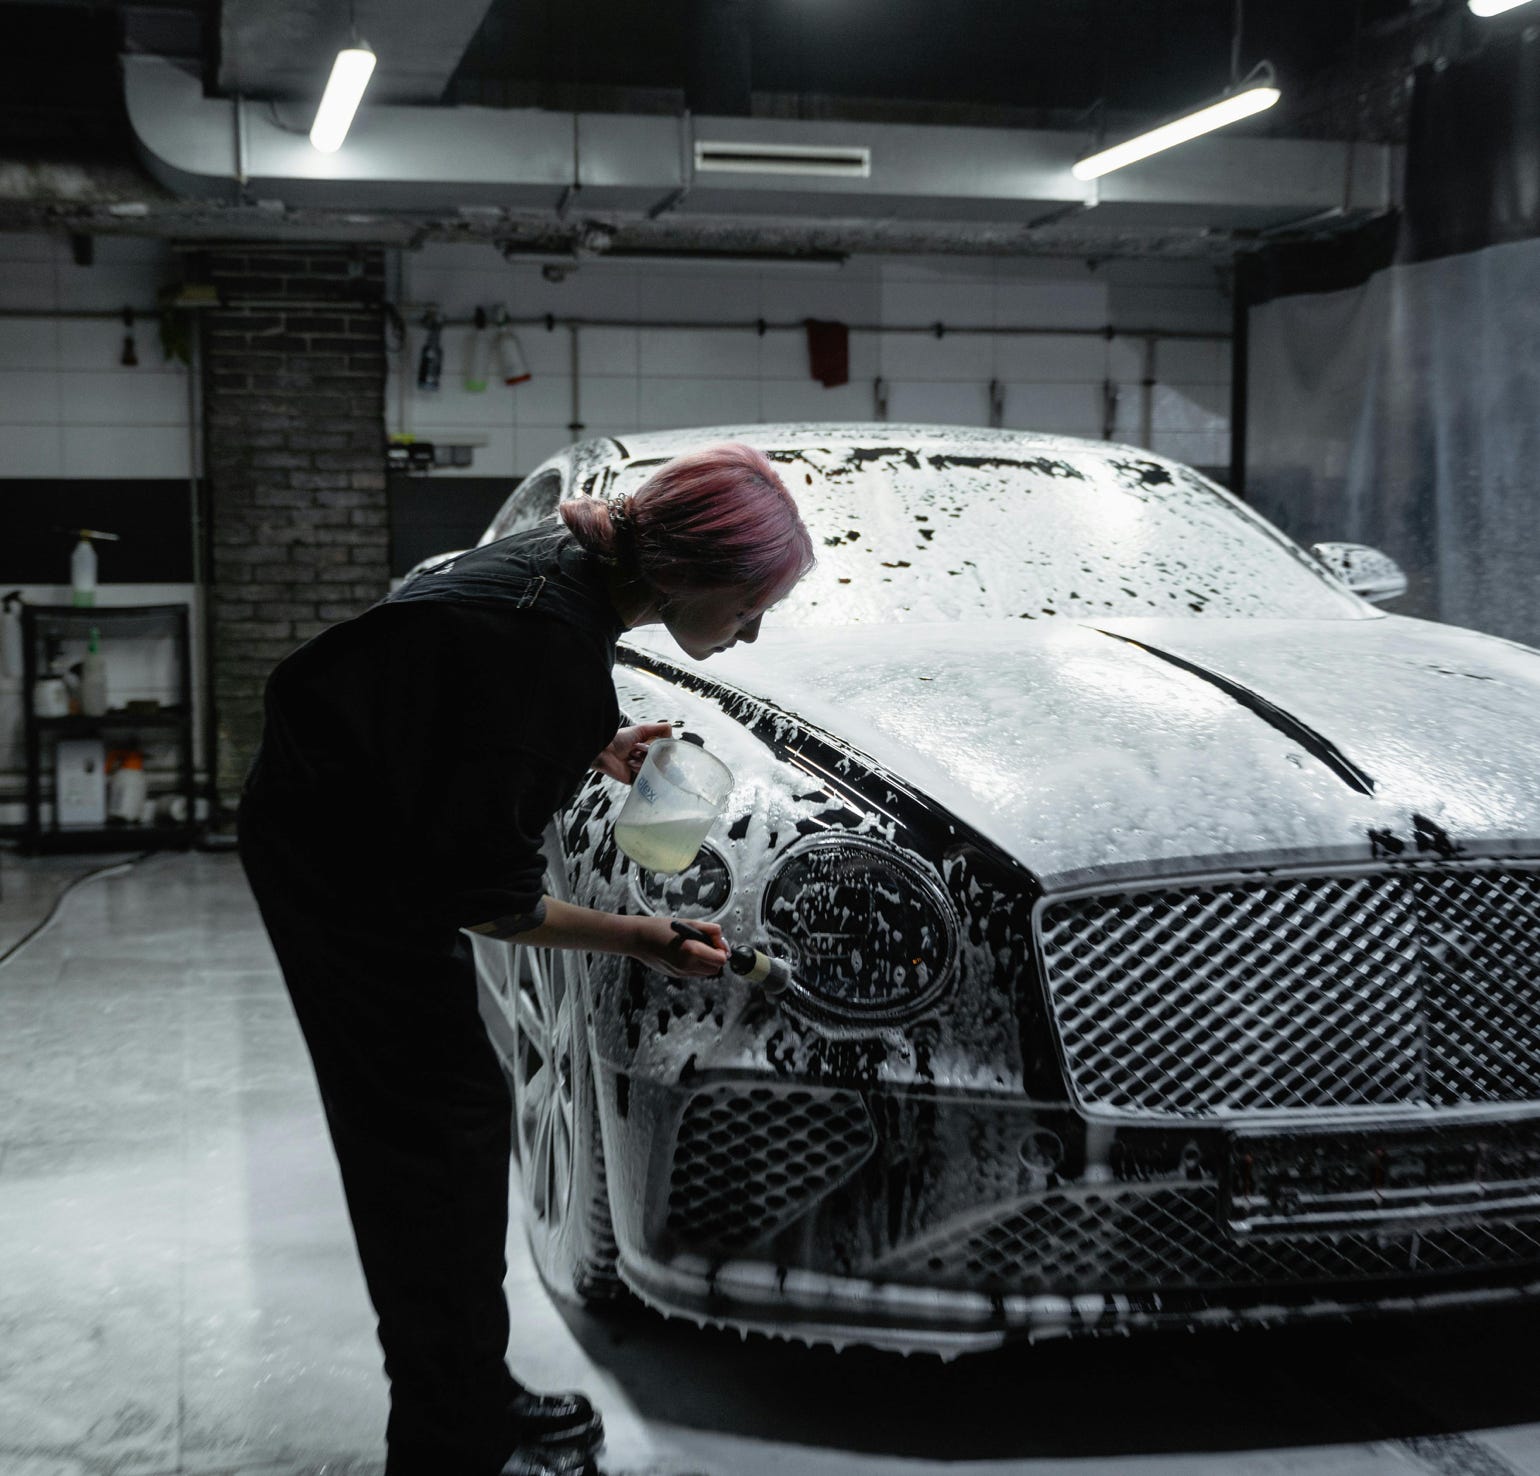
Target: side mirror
x=1366, y=571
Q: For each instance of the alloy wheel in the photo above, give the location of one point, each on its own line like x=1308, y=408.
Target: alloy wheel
x=542, y=1081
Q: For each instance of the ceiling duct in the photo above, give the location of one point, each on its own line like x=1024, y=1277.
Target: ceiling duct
x=767, y=158
x=647, y=181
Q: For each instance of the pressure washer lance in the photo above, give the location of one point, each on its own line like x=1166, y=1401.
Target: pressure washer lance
x=773, y=975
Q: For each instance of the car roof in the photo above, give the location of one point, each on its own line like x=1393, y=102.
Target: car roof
x=960, y=440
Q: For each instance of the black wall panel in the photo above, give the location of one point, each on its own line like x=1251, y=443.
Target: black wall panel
x=432, y=515
x=152, y=518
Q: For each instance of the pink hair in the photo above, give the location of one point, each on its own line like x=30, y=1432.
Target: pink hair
x=716, y=518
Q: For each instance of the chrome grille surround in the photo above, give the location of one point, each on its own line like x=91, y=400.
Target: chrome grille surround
x=1407, y=986
x=749, y=1160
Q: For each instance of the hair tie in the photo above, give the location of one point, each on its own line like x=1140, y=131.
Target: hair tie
x=620, y=525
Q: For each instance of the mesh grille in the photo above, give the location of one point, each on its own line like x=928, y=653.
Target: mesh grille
x=1169, y=1239
x=1326, y=991
x=750, y=1160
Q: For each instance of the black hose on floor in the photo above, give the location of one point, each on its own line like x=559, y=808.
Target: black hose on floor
x=58, y=901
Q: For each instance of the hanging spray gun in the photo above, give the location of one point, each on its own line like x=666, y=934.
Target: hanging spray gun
x=753, y=966
x=430, y=363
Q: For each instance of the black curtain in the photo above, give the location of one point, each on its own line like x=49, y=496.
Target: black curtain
x=1473, y=151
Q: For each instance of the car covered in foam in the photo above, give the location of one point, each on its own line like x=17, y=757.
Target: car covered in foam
x=1162, y=917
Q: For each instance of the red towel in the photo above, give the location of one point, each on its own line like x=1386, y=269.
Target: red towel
x=828, y=352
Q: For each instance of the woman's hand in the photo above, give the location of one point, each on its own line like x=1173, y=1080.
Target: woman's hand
x=627, y=751
x=656, y=944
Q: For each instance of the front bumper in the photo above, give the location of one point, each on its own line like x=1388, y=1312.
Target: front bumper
x=950, y=1222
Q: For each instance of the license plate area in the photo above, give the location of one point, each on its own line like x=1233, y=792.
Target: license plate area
x=1379, y=1178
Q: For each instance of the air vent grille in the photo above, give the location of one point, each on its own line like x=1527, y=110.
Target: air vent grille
x=831, y=161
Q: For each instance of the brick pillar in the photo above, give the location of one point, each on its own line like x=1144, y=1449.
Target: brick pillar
x=294, y=422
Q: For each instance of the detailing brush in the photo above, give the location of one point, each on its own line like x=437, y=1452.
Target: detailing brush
x=753, y=966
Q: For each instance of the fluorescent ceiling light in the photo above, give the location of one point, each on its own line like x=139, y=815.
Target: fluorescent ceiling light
x=1227, y=110
x=344, y=90
x=1494, y=7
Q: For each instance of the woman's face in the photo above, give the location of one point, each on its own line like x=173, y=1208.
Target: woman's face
x=714, y=619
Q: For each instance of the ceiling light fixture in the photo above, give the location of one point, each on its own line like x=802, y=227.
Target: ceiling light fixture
x=1485, y=8
x=344, y=91
x=1236, y=104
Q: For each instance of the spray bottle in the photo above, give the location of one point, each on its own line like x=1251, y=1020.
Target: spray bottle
x=93, y=678
x=476, y=354
x=126, y=788
x=511, y=364
x=12, y=659
x=83, y=567
x=430, y=362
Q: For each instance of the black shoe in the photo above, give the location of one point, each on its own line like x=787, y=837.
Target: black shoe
x=542, y=1460
x=555, y=1419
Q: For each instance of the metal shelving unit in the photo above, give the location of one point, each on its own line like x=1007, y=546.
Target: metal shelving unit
x=43, y=625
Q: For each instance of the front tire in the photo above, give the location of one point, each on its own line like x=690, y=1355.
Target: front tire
x=556, y=1126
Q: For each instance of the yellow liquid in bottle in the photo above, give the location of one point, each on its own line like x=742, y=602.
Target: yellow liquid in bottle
x=664, y=845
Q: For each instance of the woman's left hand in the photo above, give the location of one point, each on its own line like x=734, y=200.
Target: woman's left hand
x=626, y=753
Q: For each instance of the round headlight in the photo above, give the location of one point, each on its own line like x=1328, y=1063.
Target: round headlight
x=701, y=889
x=869, y=936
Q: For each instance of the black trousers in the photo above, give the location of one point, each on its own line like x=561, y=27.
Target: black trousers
x=420, y=1119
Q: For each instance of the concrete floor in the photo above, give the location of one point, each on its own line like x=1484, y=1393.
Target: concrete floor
x=179, y=1293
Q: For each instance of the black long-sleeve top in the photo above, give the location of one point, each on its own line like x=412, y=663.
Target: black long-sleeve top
x=415, y=754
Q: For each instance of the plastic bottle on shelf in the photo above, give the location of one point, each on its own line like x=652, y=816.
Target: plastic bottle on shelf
x=127, y=789
x=12, y=660
x=50, y=695
x=83, y=567
x=83, y=572
x=93, y=678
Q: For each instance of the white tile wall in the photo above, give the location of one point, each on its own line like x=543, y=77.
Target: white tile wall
x=125, y=451
x=31, y=451
x=68, y=407
x=655, y=378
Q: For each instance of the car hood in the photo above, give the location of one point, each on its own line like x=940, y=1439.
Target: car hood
x=1148, y=747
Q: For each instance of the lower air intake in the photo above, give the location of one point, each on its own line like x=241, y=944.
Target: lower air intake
x=749, y=1161
x=1170, y=1240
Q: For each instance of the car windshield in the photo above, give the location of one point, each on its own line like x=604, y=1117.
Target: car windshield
x=906, y=534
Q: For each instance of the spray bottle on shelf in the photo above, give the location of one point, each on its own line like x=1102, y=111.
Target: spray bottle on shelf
x=12, y=659
x=126, y=787
x=83, y=567
x=93, y=678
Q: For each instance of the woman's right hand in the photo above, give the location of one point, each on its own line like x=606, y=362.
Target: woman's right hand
x=656, y=944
